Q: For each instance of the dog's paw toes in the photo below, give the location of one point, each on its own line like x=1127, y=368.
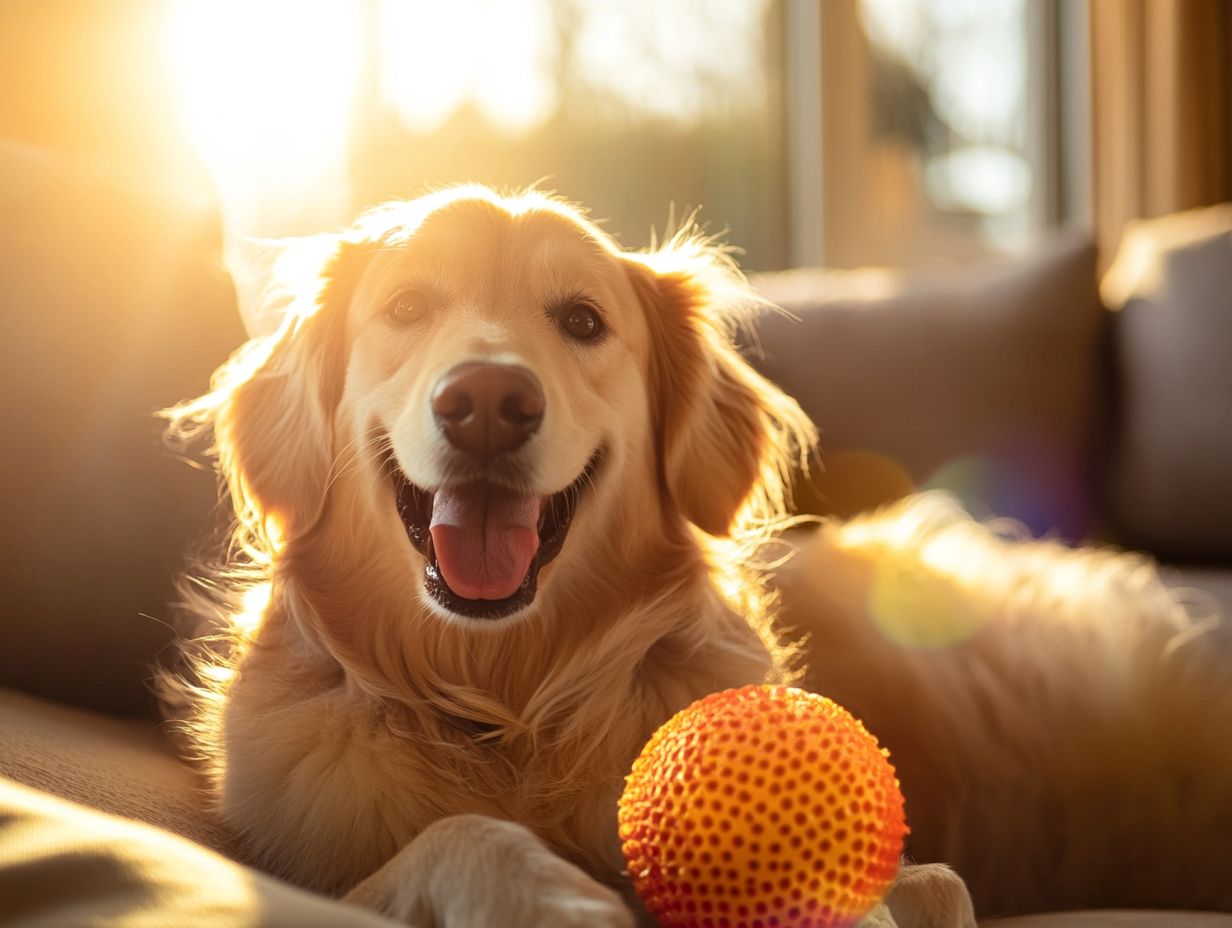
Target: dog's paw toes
x=879, y=917
x=514, y=881
x=930, y=896
x=569, y=910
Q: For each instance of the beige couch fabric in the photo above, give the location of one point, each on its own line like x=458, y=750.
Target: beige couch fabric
x=983, y=382
x=1172, y=464
x=126, y=768
x=1114, y=919
x=65, y=866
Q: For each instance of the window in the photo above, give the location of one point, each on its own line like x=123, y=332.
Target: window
x=936, y=133
x=844, y=132
x=642, y=110
x=631, y=107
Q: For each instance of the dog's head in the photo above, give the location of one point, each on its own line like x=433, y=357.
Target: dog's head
x=489, y=393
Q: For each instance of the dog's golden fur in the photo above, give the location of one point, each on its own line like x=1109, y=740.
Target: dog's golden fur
x=1060, y=719
x=357, y=738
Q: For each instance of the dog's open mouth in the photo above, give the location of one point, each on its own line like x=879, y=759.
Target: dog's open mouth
x=485, y=543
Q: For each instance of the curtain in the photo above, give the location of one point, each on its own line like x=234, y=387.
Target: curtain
x=1161, y=86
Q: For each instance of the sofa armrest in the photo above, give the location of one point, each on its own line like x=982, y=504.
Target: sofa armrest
x=123, y=767
x=65, y=865
x=116, y=305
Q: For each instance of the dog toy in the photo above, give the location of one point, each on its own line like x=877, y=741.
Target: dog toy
x=761, y=806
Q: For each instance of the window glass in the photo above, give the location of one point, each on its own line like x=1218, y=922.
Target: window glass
x=634, y=108
x=948, y=94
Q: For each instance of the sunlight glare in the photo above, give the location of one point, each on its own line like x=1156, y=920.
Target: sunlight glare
x=435, y=56
x=422, y=77
x=256, y=601
x=267, y=89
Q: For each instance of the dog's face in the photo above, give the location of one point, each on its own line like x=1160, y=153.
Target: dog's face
x=501, y=361
x=503, y=390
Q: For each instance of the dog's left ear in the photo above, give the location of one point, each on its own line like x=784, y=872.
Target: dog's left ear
x=271, y=406
x=727, y=439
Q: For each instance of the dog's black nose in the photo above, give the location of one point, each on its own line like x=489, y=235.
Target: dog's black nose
x=486, y=409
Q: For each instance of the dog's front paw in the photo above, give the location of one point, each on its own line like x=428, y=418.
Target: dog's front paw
x=563, y=896
x=929, y=896
x=879, y=917
x=546, y=890
x=469, y=871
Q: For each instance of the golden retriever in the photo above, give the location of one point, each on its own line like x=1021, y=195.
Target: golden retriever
x=506, y=495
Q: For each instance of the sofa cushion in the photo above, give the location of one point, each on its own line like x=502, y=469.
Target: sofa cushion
x=1113, y=918
x=125, y=767
x=983, y=381
x=1171, y=473
x=62, y=865
x=115, y=305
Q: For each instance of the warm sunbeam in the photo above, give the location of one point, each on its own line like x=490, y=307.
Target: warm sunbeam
x=267, y=88
x=256, y=600
x=435, y=56
x=304, y=113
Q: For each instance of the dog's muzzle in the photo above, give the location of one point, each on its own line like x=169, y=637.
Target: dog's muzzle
x=484, y=538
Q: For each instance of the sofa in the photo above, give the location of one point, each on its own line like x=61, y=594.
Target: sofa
x=1012, y=385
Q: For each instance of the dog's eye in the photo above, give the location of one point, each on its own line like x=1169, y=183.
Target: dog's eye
x=405, y=306
x=581, y=321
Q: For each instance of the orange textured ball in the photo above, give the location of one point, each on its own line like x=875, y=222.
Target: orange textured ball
x=760, y=807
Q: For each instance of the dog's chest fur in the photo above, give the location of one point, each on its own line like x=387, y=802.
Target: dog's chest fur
x=324, y=783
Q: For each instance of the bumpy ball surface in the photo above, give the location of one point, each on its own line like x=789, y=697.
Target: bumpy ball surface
x=760, y=807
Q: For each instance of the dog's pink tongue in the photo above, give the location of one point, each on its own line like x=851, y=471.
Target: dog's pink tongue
x=484, y=538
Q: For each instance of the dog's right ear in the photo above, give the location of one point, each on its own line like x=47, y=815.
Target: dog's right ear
x=726, y=438
x=272, y=404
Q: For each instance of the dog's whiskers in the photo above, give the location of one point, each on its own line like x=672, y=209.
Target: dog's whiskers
x=346, y=457
x=373, y=439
